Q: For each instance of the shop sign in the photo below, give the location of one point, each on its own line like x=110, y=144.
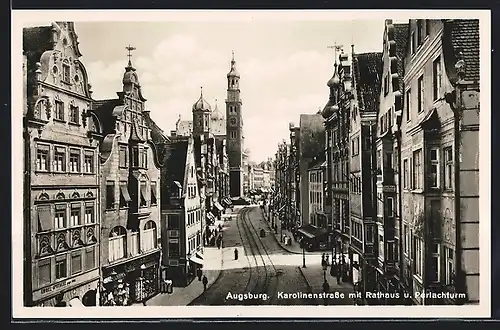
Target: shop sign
x=64, y=285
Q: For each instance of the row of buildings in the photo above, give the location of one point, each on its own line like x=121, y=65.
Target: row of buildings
x=260, y=177
x=113, y=206
x=388, y=172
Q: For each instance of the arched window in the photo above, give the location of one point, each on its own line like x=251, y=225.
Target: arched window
x=117, y=243
x=149, y=236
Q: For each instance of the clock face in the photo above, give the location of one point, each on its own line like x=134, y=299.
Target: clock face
x=233, y=121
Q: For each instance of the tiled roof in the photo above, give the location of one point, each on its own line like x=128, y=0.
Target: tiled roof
x=464, y=37
x=176, y=161
x=37, y=39
x=104, y=111
x=367, y=74
x=312, y=135
x=401, y=39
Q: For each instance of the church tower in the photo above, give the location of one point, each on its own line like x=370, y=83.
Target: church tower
x=201, y=117
x=234, y=131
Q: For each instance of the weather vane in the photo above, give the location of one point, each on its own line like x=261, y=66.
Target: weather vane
x=129, y=55
x=336, y=48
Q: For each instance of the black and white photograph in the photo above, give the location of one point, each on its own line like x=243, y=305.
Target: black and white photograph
x=329, y=162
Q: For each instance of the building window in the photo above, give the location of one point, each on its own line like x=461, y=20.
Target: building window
x=142, y=195
x=61, y=268
x=74, y=160
x=420, y=31
x=173, y=221
x=74, y=114
x=418, y=253
x=449, y=255
x=60, y=216
x=89, y=259
x=124, y=195
x=44, y=272
x=123, y=156
x=417, y=169
x=448, y=167
x=406, y=243
x=405, y=173
x=42, y=158
x=420, y=95
x=149, y=236
x=88, y=162
x=379, y=161
x=390, y=251
x=388, y=161
x=135, y=156
x=408, y=105
x=413, y=46
x=75, y=219
x=173, y=248
x=76, y=263
x=134, y=244
x=59, y=110
x=117, y=243
x=154, y=200
x=386, y=84
x=232, y=134
x=381, y=246
x=144, y=158
x=435, y=271
x=436, y=76
x=66, y=72
x=89, y=214
x=110, y=195
x=60, y=159
x=390, y=206
x=434, y=168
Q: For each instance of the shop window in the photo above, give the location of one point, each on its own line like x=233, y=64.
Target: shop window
x=42, y=158
x=74, y=114
x=117, y=243
x=61, y=268
x=149, y=236
x=44, y=271
x=59, y=110
x=74, y=161
x=89, y=162
x=75, y=219
x=76, y=263
x=60, y=159
x=154, y=200
x=110, y=195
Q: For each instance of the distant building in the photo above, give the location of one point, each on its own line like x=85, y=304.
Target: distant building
x=316, y=215
x=62, y=230
x=130, y=196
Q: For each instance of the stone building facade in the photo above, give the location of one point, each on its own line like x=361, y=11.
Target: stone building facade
x=61, y=172
x=130, y=197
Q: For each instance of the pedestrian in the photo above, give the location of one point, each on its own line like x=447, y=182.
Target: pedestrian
x=235, y=254
x=332, y=268
x=323, y=259
x=205, y=282
x=326, y=290
x=199, y=272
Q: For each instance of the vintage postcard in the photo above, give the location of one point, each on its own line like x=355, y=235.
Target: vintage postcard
x=183, y=164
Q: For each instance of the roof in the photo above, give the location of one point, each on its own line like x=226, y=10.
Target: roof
x=401, y=39
x=37, y=39
x=367, y=74
x=176, y=161
x=104, y=111
x=463, y=37
x=312, y=135
x=316, y=164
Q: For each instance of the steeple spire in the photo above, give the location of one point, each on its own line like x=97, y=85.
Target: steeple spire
x=232, y=60
x=129, y=55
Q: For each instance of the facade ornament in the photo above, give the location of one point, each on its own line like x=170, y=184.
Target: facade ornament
x=84, y=115
x=48, y=108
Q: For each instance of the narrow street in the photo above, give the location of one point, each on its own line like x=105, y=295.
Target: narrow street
x=263, y=268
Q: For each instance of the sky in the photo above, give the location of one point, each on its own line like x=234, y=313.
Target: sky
x=284, y=67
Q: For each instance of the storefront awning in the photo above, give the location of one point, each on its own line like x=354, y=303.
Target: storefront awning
x=196, y=260
x=312, y=232
x=218, y=206
x=76, y=302
x=199, y=255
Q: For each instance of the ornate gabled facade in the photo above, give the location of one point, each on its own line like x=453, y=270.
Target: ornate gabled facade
x=439, y=151
x=337, y=118
x=61, y=172
x=130, y=198
x=367, y=69
x=389, y=164
x=234, y=131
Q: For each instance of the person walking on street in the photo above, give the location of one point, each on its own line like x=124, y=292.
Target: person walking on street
x=326, y=290
x=199, y=272
x=205, y=282
x=235, y=254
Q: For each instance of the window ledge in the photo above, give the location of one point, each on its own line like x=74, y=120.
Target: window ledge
x=74, y=124
x=417, y=191
x=60, y=120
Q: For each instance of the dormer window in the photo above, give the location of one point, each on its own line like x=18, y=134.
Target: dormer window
x=66, y=72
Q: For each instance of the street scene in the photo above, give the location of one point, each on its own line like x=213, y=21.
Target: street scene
x=248, y=163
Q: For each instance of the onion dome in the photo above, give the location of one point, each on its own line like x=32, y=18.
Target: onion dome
x=329, y=110
x=217, y=114
x=334, y=81
x=233, y=72
x=201, y=104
